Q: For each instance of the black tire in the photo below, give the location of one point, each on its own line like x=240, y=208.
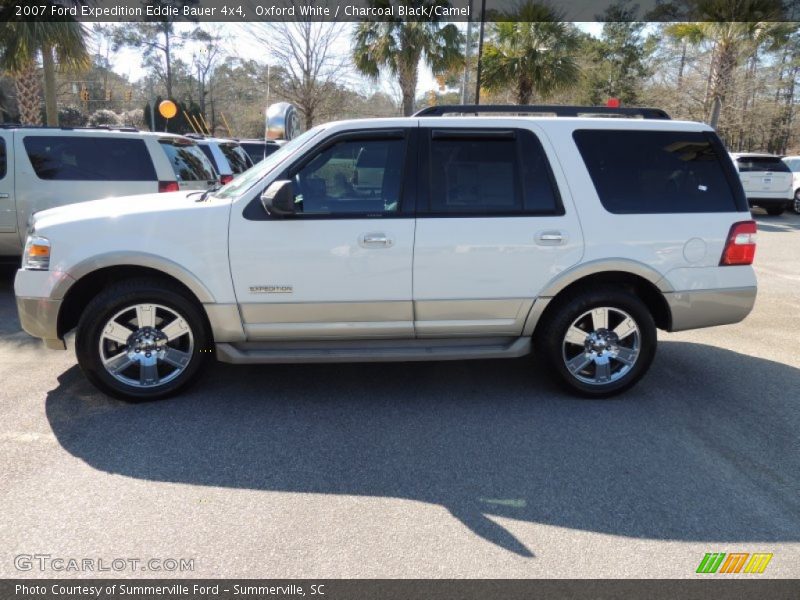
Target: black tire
x=550, y=345
x=127, y=294
x=775, y=211
x=796, y=202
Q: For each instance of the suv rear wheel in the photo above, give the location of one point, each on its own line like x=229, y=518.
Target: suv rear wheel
x=599, y=342
x=796, y=203
x=775, y=211
x=141, y=340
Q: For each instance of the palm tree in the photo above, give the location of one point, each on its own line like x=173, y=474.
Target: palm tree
x=398, y=46
x=531, y=51
x=735, y=31
x=21, y=43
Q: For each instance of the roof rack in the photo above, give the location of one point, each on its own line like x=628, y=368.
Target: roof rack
x=543, y=110
x=64, y=128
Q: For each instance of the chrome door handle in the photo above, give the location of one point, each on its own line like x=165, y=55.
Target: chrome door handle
x=375, y=240
x=550, y=238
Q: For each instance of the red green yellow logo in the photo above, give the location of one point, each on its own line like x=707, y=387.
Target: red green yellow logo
x=734, y=562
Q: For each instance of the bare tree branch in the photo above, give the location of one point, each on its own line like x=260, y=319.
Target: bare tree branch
x=312, y=66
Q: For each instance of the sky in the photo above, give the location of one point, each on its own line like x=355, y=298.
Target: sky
x=127, y=62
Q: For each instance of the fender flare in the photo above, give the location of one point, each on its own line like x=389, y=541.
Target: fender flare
x=603, y=265
x=133, y=259
x=566, y=278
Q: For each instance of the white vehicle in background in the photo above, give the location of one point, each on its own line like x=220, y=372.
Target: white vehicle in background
x=793, y=162
x=43, y=167
x=474, y=237
x=258, y=150
x=227, y=156
x=766, y=179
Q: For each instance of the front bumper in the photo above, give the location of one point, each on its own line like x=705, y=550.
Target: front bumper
x=39, y=318
x=707, y=308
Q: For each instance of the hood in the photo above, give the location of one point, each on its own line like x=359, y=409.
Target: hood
x=112, y=208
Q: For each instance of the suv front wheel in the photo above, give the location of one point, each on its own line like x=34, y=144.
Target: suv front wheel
x=599, y=342
x=141, y=340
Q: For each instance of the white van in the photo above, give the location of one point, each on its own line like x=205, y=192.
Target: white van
x=43, y=167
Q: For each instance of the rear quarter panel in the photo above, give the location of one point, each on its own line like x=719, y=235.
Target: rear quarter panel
x=689, y=243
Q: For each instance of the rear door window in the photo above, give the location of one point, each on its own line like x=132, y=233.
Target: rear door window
x=750, y=164
x=188, y=161
x=484, y=172
x=649, y=172
x=237, y=158
x=89, y=158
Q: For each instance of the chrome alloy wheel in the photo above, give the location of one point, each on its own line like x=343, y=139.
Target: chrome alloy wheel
x=601, y=346
x=146, y=345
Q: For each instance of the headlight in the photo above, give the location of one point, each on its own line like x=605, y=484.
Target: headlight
x=37, y=254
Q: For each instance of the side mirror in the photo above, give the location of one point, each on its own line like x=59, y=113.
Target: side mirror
x=278, y=199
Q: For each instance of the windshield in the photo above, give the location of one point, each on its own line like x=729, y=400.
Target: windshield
x=249, y=178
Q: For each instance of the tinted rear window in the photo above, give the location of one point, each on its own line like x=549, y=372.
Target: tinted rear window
x=206, y=149
x=2, y=158
x=257, y=151
x=237, y=158
x=793, y=164
x=748, y=164
x=254, y=150
x=188, y=161
x=637, y=172
x=87, y=158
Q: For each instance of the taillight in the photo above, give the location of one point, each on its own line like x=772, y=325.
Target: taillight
x=168, y=186
x=740, y=249
x=223, y=179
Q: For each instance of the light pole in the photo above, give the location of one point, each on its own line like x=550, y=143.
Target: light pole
x=480, y=54
x=152, y=104
x=467, y=50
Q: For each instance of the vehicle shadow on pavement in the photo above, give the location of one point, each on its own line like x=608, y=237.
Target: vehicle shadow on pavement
x=690, y=454
x=786, y=223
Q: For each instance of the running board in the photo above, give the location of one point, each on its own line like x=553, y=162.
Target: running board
x=372, y=350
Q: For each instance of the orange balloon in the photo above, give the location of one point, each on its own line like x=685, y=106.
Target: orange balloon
x=167, y=109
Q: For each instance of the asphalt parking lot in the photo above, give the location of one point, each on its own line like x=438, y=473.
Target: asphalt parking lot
x=461, y=469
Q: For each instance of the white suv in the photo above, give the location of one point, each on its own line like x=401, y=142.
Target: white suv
x=474, y=237
x=43, y=167
x=793, y=162
x=767, y=181
x=227, y=156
